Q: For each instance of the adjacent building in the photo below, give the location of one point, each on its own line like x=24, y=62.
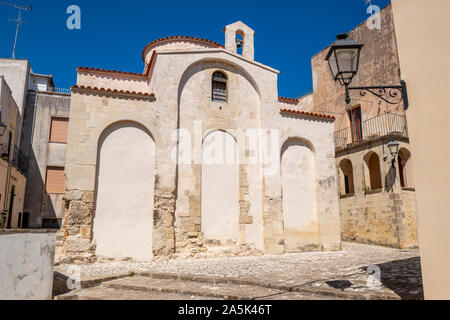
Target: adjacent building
x=37, y=119
x=377, y=197
x=13, y=163
x=422, y=31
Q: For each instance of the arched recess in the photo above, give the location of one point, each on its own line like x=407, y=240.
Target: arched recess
x=220, y=187
x=347, y=185
x=123, y=220
x=405, y=169
x=299, y=190
x=372, y=172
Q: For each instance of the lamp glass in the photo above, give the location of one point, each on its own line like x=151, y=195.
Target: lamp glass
x=393, y=148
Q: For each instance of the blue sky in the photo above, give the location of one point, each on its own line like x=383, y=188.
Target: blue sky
x=114, y=33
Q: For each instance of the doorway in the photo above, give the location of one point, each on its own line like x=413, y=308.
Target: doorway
x=356, y=124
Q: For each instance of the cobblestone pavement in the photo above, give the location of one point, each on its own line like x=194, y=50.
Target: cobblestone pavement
x=342, y=274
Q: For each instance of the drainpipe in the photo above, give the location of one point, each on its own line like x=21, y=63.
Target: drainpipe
x=8, y=178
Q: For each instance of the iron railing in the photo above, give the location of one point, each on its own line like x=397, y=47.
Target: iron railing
x=17, y=158
x=388, y=124
x=59, y=90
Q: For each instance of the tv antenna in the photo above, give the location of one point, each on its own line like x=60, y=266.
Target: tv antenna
x=18, y=21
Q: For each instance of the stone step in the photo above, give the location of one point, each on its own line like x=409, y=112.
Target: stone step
x=111, y=294
x=228, y=291
x=315, y=289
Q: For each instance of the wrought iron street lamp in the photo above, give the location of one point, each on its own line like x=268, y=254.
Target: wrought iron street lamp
x=343, y=59
x=393, y=149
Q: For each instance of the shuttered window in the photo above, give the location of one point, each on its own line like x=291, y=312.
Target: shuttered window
x=219, y=87
x=56, y=181
x=59, y=130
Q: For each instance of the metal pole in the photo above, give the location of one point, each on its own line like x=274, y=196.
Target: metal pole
x=18, y=21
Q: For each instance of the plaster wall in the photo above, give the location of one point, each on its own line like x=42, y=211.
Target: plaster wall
x=16, y=74
x=124, y=204
x=26, y=265
x=422, y=30
x=299, y=197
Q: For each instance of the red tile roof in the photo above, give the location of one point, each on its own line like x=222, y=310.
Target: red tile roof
x=305, y=113
x=115, y=91
x=288, y=100
x=181, y=38
x=87, y=69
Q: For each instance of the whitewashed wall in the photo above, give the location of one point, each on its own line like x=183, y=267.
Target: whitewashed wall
x=26, y=265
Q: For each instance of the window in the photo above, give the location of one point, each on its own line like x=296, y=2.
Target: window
x=56, y=181
x=59, y=130
x=356, y=124
x=219, y=87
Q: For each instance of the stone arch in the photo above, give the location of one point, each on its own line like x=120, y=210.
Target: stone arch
x=104, y=125
x=220, y=187
x=405, y=169
x=240, y=34
x=299, y=193
x=225, y=65
x=124, y=195
x=347, y=185
x=372, y=172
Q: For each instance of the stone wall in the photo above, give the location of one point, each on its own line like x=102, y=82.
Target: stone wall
x=26, y=264
x=379, y=65
x=387, y=216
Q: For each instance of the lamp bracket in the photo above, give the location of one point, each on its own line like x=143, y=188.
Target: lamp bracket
x=389, y=94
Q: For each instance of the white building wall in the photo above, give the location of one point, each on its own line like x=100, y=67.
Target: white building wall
x=26, y=265
x=124, y=208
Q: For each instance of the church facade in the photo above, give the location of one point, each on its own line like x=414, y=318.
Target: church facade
x=197, y=156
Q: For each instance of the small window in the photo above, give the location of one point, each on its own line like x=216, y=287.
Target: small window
x=56, y=181
x=219, y=87
x=59, y=130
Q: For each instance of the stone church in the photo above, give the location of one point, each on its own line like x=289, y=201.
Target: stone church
x=198, y=156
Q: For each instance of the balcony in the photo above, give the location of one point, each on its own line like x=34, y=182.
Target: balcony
x=386, y=125
x=18, y=159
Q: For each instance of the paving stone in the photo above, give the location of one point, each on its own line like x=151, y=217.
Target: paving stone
x=337, y=274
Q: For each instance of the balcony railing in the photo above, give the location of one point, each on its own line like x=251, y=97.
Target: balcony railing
x=388, y=124
x=59, y=90
x=18, y=159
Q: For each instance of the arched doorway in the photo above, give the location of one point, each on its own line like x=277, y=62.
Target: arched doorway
x=299, y=186
x=125, y=193
x=347, y=186
x=372, y=172
x=405, y=169
x=220, y=187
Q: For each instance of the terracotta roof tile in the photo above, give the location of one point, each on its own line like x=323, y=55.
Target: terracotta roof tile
x=305, y=113
x=181, y=38
x=288, y=100
x=103, y=90
x=110, y=71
